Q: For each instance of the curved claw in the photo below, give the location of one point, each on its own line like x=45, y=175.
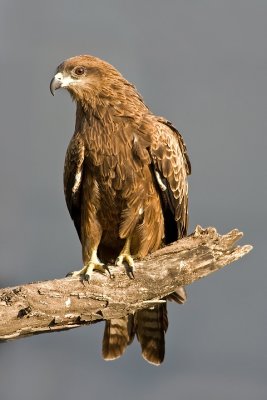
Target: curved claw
x=87, y=271
x=102, y=268
x=127, y=259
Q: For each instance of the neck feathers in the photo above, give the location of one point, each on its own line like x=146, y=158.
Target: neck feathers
x=110, y=106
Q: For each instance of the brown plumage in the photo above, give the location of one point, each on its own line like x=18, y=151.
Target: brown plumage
x=125, y=182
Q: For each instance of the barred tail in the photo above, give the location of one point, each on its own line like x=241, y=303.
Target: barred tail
x=150, y=326
x=118, y=334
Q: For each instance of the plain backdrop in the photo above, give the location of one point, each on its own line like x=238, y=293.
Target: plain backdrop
x=202, y=64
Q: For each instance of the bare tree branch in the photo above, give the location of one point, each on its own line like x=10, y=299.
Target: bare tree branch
x=69, y=303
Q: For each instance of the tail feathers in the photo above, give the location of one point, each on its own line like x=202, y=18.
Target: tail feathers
x=118, y=334
x=150, y=326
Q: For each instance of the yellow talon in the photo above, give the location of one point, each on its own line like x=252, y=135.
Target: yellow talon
x=87, y=271
x=125, y=257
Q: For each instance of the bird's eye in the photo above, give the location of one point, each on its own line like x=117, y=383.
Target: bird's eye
x=79, y=70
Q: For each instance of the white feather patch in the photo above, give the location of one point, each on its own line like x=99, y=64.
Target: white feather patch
x=161, y=184
x=77, y=182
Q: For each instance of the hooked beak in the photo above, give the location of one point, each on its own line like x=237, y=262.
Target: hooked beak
x=56, y=83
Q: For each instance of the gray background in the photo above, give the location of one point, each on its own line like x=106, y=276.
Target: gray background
x=200, y=63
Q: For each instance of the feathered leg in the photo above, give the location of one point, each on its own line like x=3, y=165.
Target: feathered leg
x=90, y=235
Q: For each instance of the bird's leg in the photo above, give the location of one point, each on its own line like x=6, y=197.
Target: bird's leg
x=125, y=257
x=91, y=233
x=94, y=264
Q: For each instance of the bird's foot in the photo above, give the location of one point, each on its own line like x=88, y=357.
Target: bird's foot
x=87, y=271
x=125, y=258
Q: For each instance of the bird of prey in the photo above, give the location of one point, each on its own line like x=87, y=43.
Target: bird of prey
x=125, y=184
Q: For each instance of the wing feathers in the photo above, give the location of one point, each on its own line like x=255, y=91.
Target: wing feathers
x=170, y=160
x=73, y=175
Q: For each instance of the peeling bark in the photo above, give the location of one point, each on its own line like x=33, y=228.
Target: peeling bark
x=68, y=303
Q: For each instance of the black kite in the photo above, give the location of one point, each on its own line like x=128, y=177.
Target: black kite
x=125, y=182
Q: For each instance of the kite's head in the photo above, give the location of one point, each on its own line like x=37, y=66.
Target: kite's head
x=86, y=77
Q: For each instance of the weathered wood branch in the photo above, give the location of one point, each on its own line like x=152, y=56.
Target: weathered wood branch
x=69, y=303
